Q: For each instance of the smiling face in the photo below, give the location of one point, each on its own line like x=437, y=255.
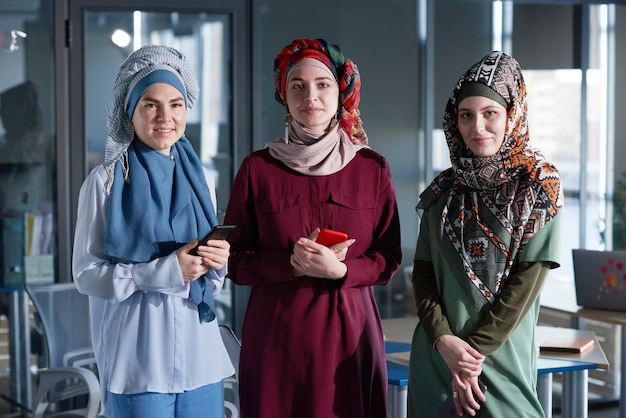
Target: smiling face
x=160, y=117
x=312, y=97
x=482, y=123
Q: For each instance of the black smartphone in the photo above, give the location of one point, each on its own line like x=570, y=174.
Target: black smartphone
x=218, y=232
x=448, y=409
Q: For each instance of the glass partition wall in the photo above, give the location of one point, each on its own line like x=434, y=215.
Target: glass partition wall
x=28, y=161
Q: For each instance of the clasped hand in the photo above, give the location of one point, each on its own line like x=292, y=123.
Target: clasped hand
x=211, y=255
x=316, y=260
x=465, y=364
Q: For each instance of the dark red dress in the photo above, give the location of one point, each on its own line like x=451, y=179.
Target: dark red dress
x=312, y=347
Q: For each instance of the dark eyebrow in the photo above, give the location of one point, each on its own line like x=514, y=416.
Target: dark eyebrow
x=150, y=99
x=316, y=79
x=489, y=107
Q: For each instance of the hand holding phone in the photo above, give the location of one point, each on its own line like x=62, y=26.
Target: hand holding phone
x=218, y=232
x=330, y=237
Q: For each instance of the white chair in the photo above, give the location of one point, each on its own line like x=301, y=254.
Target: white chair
x=231, y=384
x=70, y=375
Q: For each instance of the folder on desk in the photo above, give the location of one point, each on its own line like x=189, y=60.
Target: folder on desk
x=566, y=345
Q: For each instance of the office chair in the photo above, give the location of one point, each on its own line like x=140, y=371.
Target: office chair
x=70, y=374
x=231, y=384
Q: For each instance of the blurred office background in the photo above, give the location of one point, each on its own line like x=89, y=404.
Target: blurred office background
x=58, y=60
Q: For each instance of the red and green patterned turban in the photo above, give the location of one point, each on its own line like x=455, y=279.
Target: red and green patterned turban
x=346, y=75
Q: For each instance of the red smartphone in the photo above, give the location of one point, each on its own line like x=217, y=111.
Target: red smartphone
x=218, y=232
x=329, y=237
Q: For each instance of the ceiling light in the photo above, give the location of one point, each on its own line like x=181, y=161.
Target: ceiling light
x=120, y=38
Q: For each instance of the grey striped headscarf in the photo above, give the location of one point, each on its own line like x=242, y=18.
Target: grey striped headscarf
x=139, y=64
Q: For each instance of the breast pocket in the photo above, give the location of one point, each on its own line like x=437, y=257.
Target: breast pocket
x=352, y=213
x=278, y=216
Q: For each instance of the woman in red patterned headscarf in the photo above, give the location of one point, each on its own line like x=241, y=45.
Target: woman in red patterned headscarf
x=312, y=343
x=344, y=71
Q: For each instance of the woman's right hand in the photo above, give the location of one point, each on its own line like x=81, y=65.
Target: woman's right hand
x=463, y=361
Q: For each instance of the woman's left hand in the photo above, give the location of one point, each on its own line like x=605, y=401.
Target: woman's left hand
x=316, y=260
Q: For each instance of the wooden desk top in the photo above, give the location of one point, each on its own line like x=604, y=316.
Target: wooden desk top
x=401, y=330
x=560, y=296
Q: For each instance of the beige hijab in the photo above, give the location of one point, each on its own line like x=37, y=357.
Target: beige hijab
x=314, y=153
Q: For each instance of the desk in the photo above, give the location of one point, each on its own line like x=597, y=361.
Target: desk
x=398, y=379
x=575, y=369
x=399, y=332
x=560, y=296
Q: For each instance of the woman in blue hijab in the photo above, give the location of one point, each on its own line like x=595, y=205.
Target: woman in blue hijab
x=154, y=332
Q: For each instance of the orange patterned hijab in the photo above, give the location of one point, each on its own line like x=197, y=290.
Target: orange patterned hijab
x=497, y=203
